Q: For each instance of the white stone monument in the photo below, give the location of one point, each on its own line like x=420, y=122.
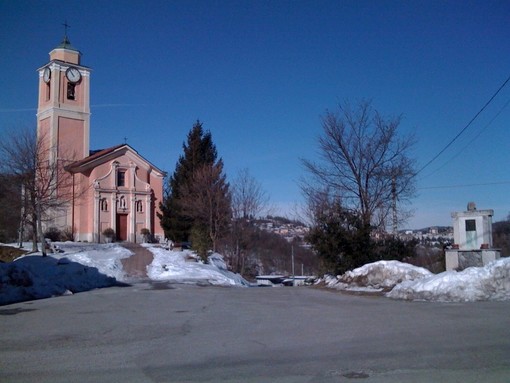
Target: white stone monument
x=472, y=235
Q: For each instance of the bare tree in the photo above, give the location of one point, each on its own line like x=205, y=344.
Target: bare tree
x=316, y=203
x=248, y=197
x=206, y=200
x=363, y=162
x=10, y=208
x=46, y=186
x=248, y=201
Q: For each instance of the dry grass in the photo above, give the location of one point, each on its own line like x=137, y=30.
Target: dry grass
x=9, y=253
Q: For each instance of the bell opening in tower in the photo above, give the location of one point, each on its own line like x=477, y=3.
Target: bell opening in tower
x=71, y=91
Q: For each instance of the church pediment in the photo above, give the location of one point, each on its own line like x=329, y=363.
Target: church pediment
x=123, y=152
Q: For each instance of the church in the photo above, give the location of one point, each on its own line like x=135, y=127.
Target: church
x=113, y=188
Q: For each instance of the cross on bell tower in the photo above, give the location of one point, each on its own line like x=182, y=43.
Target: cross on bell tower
x=66, y=27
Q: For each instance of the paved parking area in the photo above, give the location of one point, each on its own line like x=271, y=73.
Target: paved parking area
x=177, y=333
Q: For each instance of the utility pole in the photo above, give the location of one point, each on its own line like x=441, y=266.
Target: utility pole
x=293, y=273
x=394, y=203
x=23, y=216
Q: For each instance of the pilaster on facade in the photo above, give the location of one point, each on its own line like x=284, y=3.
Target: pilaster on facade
x=96, y=234
x=148, y=209
x=113, y=212
x=132, y=220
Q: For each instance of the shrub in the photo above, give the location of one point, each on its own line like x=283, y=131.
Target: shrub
x=200, y=241
x=109, y=233
x=67, y=234
x=53, y=234
x=146, y=234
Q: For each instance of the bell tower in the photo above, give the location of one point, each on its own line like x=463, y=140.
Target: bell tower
x=63, y=112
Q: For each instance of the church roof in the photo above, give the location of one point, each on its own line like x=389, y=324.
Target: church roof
x=66, y=44
x=60, y=62
x=98, y=155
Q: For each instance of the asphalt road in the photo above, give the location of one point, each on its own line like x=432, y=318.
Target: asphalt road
x=153, y=333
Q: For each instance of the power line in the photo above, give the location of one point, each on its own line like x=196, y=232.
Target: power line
x=464, y=129
x=473, y=139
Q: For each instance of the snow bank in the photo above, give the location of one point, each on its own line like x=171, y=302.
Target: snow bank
x=36, y=277
x=75, y=268
x=105, y=257
x=409, y=282
x=84, y=266
x=491, y=282
x=182, y=266
x=377, y=276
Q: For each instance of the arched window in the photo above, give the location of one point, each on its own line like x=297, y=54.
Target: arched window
x=139, y=206
x=122, y=203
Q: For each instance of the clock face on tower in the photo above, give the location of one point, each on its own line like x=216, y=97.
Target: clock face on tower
x=47, y=75
x=73, y=75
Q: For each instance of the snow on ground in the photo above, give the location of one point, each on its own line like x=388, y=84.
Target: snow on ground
x=377, y=276
x=80, y=267
x=182, y=266
x=85, y=266
x=105, y=257
x=491, y=282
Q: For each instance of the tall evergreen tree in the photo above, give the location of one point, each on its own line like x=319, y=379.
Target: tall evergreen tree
x=199, y=151
x=206, y=200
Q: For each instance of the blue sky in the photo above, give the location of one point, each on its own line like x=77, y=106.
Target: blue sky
x=260, y=74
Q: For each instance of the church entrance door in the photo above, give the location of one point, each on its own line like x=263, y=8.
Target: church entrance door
x=122, y=227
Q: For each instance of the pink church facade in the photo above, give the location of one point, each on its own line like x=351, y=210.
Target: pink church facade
x=114, y=188
x=117, y=189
